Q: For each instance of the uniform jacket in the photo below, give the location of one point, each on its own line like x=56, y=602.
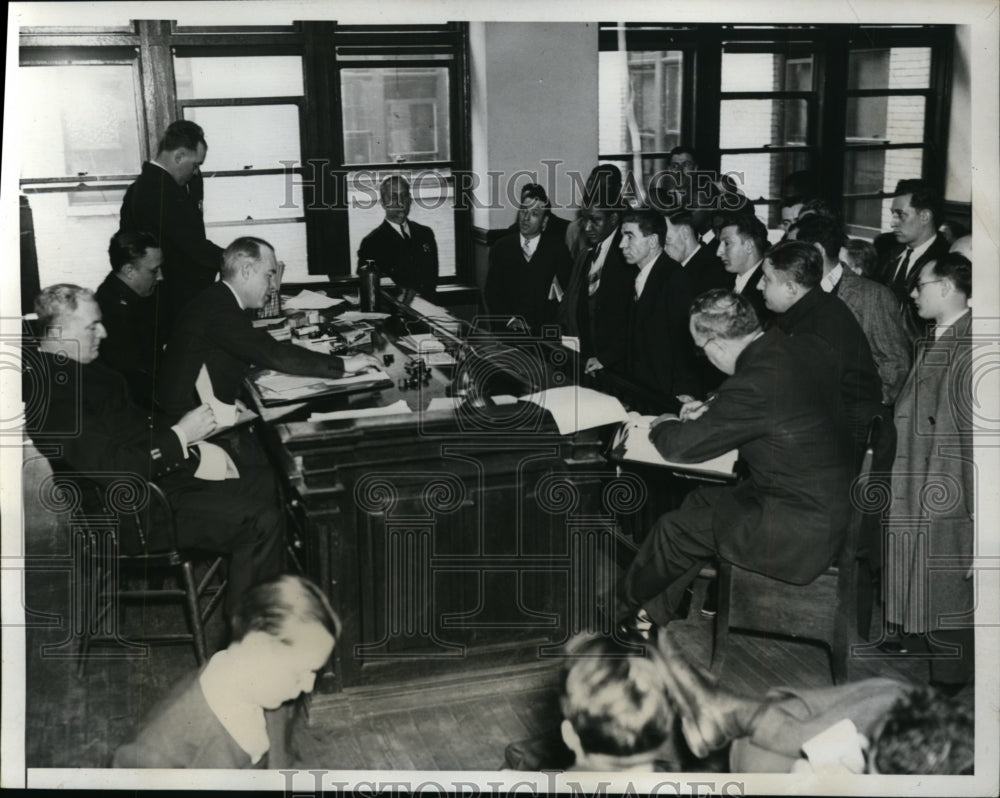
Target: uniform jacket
x=155, y=204
x=411, y=264
x=787, y=520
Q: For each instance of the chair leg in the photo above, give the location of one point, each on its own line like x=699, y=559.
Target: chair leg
x=87, y=589
x=720, y=642
x=194, y=613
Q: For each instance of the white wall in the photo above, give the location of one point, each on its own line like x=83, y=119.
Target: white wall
x=958, y=183
x=534, y=99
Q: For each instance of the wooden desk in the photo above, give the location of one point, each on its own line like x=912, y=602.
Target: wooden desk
x=448, y=539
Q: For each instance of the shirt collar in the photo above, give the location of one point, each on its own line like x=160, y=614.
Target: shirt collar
x=233, y=290
x=399, y=228
x=693, y=253
x=919, y=251
x=939, y=329
x=530, y=243
x=830, y=280
x=643, y=276
x=743, y=279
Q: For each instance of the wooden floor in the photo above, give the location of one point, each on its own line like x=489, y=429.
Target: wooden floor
x=454, y=721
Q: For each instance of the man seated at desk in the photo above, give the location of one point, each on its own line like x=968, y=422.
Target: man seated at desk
x=401, y=248
x=129, y=300
x=214, y=330
x=781, y=408
x=101, y=434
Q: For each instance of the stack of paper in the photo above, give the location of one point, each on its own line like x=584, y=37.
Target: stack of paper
x=397, y=408
x=636, y=447
x=421, y=342
x=574, y=408
x=311, y=300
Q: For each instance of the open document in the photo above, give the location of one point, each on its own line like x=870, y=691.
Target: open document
x=278, y=388
x=574, y=408
x=226, y=416
x=632, y=445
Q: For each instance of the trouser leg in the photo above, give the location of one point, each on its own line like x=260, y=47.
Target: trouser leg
x=669, y=559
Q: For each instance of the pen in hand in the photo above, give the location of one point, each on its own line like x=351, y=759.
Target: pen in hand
x=692, y=410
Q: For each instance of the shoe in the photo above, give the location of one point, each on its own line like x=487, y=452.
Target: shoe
x=710, y=717
x=710, y=606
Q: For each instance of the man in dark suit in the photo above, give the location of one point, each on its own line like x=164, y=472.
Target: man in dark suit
x=528, y=268
x=597, y=301
x=103, y=436
x=401, y=248
x=704, y=268
x=916, y=211
x=165, y=201
x=130, y=312
x=215, y=330
x=791, y=286
x=660, y=354
x=742, y=244
x=787, y=520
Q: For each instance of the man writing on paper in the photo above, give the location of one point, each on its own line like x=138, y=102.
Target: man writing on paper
x=780, y=406
x=215, y=331
x=102, y=435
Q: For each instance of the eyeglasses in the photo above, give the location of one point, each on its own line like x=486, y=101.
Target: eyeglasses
x=918, y=286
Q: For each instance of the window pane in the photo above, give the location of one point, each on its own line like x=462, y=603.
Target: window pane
x=754, y=123
x=257, y=76
x=648, y=82
x=251, y=136
x=72, y=231
x=229, y=199
x=885, y=68
x=760, y=176
x=84, y=121
x=876, y=171
x=766, y=72
x=288, y=240
x=433, y=206
x=395, y=115
x=896, y=119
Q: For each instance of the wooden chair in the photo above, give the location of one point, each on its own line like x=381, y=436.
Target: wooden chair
x=111, y=523
x=825, y=610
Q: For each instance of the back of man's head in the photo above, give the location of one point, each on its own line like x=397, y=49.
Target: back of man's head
x=615, y=699
x=242, y=250
x=798, y=262
x=182, y=133
x=58, y=300
x=925, y=733
x=126, y=247
x=923, y=197
x=822, y=230
x=721, y=313
x=748, y=227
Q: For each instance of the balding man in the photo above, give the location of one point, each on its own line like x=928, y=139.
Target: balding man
x=165, y=201
x=401, y=248
x=215, y=330
x=102, y=435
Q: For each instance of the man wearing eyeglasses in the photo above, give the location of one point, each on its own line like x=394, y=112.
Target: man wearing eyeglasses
x=781, y=408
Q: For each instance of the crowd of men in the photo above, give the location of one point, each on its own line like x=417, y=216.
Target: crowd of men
x=786, y=352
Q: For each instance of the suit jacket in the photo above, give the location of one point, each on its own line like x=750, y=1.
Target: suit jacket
x=411, y=264
x=828, y=317
x=155, y=204
x=877, y=311
x=183, y=732
x=751, y=290
x=515, y=287
x=707, y=271
x=660, y=353
x=915, y=326
x=133, y=342
x=787, y=520
x=600, y=321
x=213, y=330
x=933, y=483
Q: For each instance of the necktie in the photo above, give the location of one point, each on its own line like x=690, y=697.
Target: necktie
x=405, y=230
x=594, y=277
x=526, y=251
x=899, y=281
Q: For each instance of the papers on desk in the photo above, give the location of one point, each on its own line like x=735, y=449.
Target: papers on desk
x=632, y=440
x=276, y=387
x=361, y=315
x=436, y=358
x=226, y=416
x=395, y=409
x=310, y=300
x=274, y=321
x=421, y=342
x=575, y=408
x=571, y=342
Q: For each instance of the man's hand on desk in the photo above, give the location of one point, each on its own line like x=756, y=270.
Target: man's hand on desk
x=694, y=408
x=198, y=424
x=356, y=363
x=593, y=364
